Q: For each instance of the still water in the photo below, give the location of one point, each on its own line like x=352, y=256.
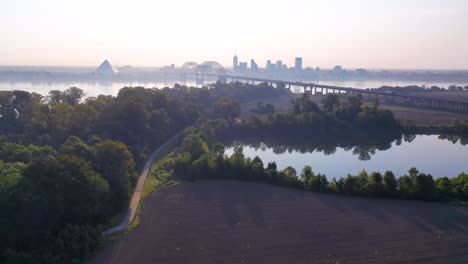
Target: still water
x=429, y=154
x=112, y=88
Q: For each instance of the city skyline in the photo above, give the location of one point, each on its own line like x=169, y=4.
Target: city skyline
x=371, y=34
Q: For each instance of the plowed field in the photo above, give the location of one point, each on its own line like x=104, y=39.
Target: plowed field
x=238, y=222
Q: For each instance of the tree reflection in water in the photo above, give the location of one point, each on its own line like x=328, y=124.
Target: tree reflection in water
x=363, y=148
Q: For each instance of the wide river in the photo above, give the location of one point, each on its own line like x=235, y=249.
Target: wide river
x=429, y=154
x=112, y=88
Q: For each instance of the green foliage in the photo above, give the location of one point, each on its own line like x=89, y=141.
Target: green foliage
x=304, y=105
x=115, y=163
x=227, y=108
x=390, y=184
x=330, y=102
x=263, y=109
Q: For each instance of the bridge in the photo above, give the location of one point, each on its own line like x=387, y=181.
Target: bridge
x=321, y=89
x=207, y=68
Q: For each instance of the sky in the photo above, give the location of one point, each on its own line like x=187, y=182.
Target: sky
x=373, y=34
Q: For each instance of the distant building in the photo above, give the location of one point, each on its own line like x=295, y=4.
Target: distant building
x=268, y=65
x=279, y=65
x=235, y=63
x=243, y=66
x=361, y=72
x=106, y=69
x=298, y=64
x=253, y=65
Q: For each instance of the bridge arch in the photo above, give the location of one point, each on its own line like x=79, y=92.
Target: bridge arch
x=207, y=67
x=190, y=66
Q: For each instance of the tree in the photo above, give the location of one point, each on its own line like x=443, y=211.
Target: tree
x=376, y=186
x=290, y=172
x=330, y=102
x=73, y=95
x=318, y=183
x=194, y=145
x=74, y=146
x=306, y=174
x=218, y=151
x=460, y=185
x=227, y=108
x=349, y=185
x=304, y=105
x=444, y=186
x=116, y=165
x=390, y=183
x=55, y=96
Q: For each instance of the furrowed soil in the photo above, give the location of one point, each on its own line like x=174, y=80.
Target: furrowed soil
x=240, y=222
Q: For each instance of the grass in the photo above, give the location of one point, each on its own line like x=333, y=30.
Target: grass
x=157, y=178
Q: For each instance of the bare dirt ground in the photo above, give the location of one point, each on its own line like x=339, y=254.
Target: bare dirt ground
x=425, y=117
x=458, y=95
x=238, y=222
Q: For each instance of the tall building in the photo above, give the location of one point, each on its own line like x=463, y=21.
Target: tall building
x=279, y=65
x=268, y=66
x=253, y=65
x=298, y=64
x=235, y=63
x=243, y=66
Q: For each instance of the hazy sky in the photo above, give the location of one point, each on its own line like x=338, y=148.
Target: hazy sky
x=428, y=34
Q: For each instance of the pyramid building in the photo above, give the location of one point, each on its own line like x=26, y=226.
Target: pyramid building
x=106, y=68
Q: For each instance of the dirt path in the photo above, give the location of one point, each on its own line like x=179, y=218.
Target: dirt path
x=131, y=211
x=231, y=222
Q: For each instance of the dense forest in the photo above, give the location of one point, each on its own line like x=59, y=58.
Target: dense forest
x=69, y=164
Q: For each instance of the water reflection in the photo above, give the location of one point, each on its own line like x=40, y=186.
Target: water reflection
x=443, y=155
x=363, y=148
x=455, y=139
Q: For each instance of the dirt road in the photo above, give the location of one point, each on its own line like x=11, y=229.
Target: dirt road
x=131, y=211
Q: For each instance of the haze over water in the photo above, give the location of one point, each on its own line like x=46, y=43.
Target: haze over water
x=112, y=88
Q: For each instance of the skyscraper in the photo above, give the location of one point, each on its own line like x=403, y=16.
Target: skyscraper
x=279, y=65
x=253, y=65
x=268, y=65
x=235, y=63
x=298, y=64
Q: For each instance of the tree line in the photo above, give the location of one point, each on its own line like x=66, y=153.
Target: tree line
x=307, y=119
x=197, y=160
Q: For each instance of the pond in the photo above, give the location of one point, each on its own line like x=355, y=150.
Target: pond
x=436, y=155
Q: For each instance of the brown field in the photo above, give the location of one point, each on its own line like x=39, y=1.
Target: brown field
x=425, y=117
x=458, y=95
x=238, y=222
